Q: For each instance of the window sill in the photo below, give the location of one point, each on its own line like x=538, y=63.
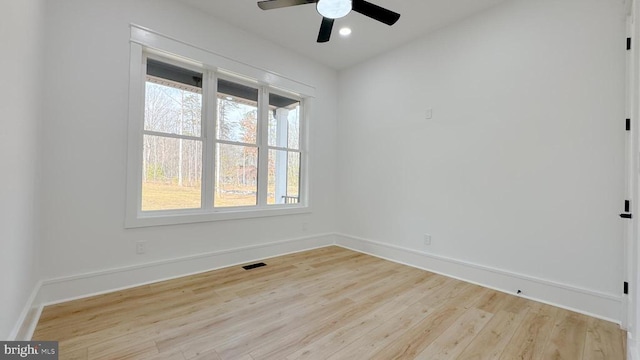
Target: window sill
x=170, y=217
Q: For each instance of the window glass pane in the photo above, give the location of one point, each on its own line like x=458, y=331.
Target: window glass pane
x=284, y=177
x=236, y=181
x=284, y=122
x=172, y=108
x=172, y=173
x=237, y=112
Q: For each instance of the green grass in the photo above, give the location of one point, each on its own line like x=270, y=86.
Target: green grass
x=161, y=196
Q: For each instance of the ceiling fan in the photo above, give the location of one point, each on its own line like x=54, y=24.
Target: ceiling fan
x=335, y=9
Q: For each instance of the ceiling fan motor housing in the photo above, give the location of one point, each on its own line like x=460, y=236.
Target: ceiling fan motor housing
x=334, y=9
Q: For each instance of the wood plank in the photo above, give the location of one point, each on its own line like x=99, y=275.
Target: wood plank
x=419, y=337
x=205, y=340
x=120, y=349
x=455, y=339
x=246, y=315
x=604, y=341
x=568, y=337
x=492, y=339
x=171, y=355
x=249, y=341
x=312, y=332
x=529, y=339
x=209, y=355
x=374, y=341
x=493, y=301
x=345, y=335
x=80, y=354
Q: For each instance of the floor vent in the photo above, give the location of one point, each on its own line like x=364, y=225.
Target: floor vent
x=253, y=266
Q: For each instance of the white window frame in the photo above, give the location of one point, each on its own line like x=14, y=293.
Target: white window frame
x=146, y=43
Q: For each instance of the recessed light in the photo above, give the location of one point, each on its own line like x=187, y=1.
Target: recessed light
x=345, y=31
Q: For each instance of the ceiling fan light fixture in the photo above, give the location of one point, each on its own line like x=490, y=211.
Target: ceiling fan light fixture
x=333, y=9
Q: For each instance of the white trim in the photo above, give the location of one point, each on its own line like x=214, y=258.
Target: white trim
x=630, y=226
x=189, y=216
x=305, y=155
x=262, y=144
x=150, y=38
x=209, y=156
x=26, y=324
x=586, y=301
x=633, y=348
x=100, y=282
x=631, y=248
x=134, y=134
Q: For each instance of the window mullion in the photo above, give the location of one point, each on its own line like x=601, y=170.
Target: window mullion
x=209, y=105
x=263, y=149
x=171, y=135
x=285, y=149
x=227, y=142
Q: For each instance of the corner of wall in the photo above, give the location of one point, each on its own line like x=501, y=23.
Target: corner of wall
x=26, y=325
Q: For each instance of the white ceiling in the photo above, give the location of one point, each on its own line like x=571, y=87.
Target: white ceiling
x=297, y=27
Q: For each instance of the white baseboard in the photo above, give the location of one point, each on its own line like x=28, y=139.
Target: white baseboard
x=585, y=301
x=84, y=285
x=23, y=330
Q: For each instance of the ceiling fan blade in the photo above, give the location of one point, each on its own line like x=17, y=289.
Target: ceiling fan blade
x=276, y=4
x=325, y=30
x=375, y=12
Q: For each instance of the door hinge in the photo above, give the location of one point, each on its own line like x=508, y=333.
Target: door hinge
x=627, y=209
x=628, y=124
x=628, y=43
x=625, y=287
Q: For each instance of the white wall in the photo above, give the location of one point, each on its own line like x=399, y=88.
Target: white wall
x=85, y=137
x=521, y=166
x=21, y=39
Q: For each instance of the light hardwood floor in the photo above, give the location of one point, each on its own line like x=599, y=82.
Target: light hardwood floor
x=328, y=303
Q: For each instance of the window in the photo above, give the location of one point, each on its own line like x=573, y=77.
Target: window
x=237, y=146
x=172, y=138
x=209, y=144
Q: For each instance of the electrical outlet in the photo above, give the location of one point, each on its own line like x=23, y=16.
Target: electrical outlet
x=141, y=247
x=427, y=239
